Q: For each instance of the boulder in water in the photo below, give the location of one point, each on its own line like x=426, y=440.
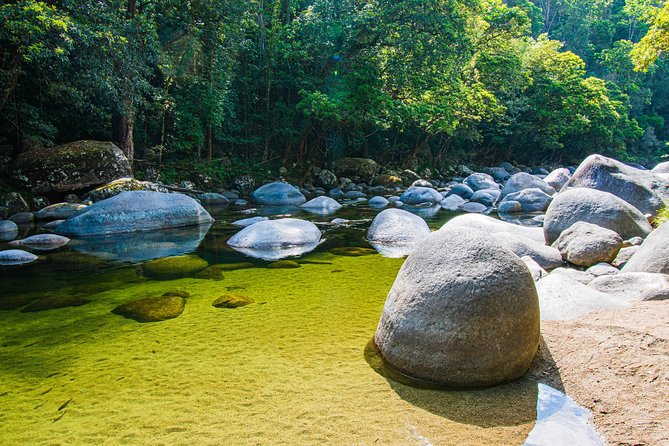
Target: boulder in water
x=16, y=257
x=479, y=181
x=152, y=309
x=174, y=267
x=278, y=194
x=322, y=205
x=276, y=239
x=420, y=195
x=462, y=312
x=229, y=300
x=42, y=241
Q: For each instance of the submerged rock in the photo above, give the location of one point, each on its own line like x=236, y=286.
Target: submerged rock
x=596, y=207
x=70, y=167
x=136, y=211
x=462, y=312
x=278, y=194
x=152, y=309
x=174, y=267
x=42, y=241
x=232, y=301
x=55, y=302
x=284, y=264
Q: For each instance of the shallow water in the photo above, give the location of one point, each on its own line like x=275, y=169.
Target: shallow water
x=289, y=369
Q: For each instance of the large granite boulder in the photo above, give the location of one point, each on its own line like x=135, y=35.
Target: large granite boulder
x=419, y=195
x=563, y=298
x=71, y=167
x=276, y=239
x=135, y=211
x=596, y=207
x=357, y=167
x=661, y=168
x=653, y=254
x=462, y=312
x=640, y=188
x=585, y=244
x=491, y=225
x=633, y=286
x=522, y=181
x=531, y=200
x=122, y=185
x=558, y=178
x=278, y=194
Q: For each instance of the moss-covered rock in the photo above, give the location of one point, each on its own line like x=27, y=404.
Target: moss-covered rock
x=232, y=301
x=284, y=264
x=235, y=266
x=213, y=272
x=152, y=309
x=70, y=167
x=54, y=302
x=387, y=181
x=174, y=267
x=357, y=167
x=115, y=187
x=352, y=251
x=177, y=293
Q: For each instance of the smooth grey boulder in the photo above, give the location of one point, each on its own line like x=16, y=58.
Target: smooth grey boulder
x=486, y=197
x=277, y=194
x=653, y=254
x=602, y=269
x=522, y=181
x=8, y=230
x=336, y=193
x=461, y=190
x=586, y=244
x=491, y=225
x=661, y=168
x=394, y=226
x=633, y=286
x=59, y=211
x=135, y=211
x=213, y=199
x=509, y=207
x=42, y=242
x=474, y=208
x=419, y=195
x=322, y=205
x=498, y=173
x=22, y=218
x=378, y=202
x=596, y=207
x=531, y=200
x=563, y=298
x=16, y=257
x=479, y=181
x=536, y=270
x=248, y=221
x=355, y=195
x=463, y=312
x=276, y=239
x=558, y=178
x=452, y=202
x=422, y=183
x=640, y=188
x=547, y=257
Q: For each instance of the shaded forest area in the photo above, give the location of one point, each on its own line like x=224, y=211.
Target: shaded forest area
x=236, y=86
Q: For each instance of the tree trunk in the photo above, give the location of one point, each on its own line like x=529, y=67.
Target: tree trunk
x=125, y=137
x=210, y=145
x=132, y=8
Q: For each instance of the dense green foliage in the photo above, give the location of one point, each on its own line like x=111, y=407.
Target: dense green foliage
x=408, y=82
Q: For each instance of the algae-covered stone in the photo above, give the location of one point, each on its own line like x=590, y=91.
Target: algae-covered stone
x=174, y=267
x=213, y=272
x=284, y=264
x=70, y=167
x=152, y=309
x=357, y=167
x=232, y=301
x=352, y=251
x=234, y=266
x=387, y=181
x=177, y=293
x=54, y=302
x=115, y=187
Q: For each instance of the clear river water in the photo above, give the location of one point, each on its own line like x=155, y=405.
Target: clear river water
x=294, y=368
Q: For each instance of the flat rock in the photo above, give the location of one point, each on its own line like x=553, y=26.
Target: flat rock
x=232, y=301
x=243, y=223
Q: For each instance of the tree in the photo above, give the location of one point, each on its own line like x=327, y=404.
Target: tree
x=655, y=43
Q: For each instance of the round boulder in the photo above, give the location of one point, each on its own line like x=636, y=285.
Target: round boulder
x=462, y=312
x=596, y=207
x=585, y=244
x=419, y=195
x=397, y=226
x=322, y=205
x=522, y=181
x=276, y=239
x=531, y=200
x=278, y=194
x=479, y=181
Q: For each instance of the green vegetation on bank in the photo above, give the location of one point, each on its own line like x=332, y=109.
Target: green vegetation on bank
x=407, y=82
